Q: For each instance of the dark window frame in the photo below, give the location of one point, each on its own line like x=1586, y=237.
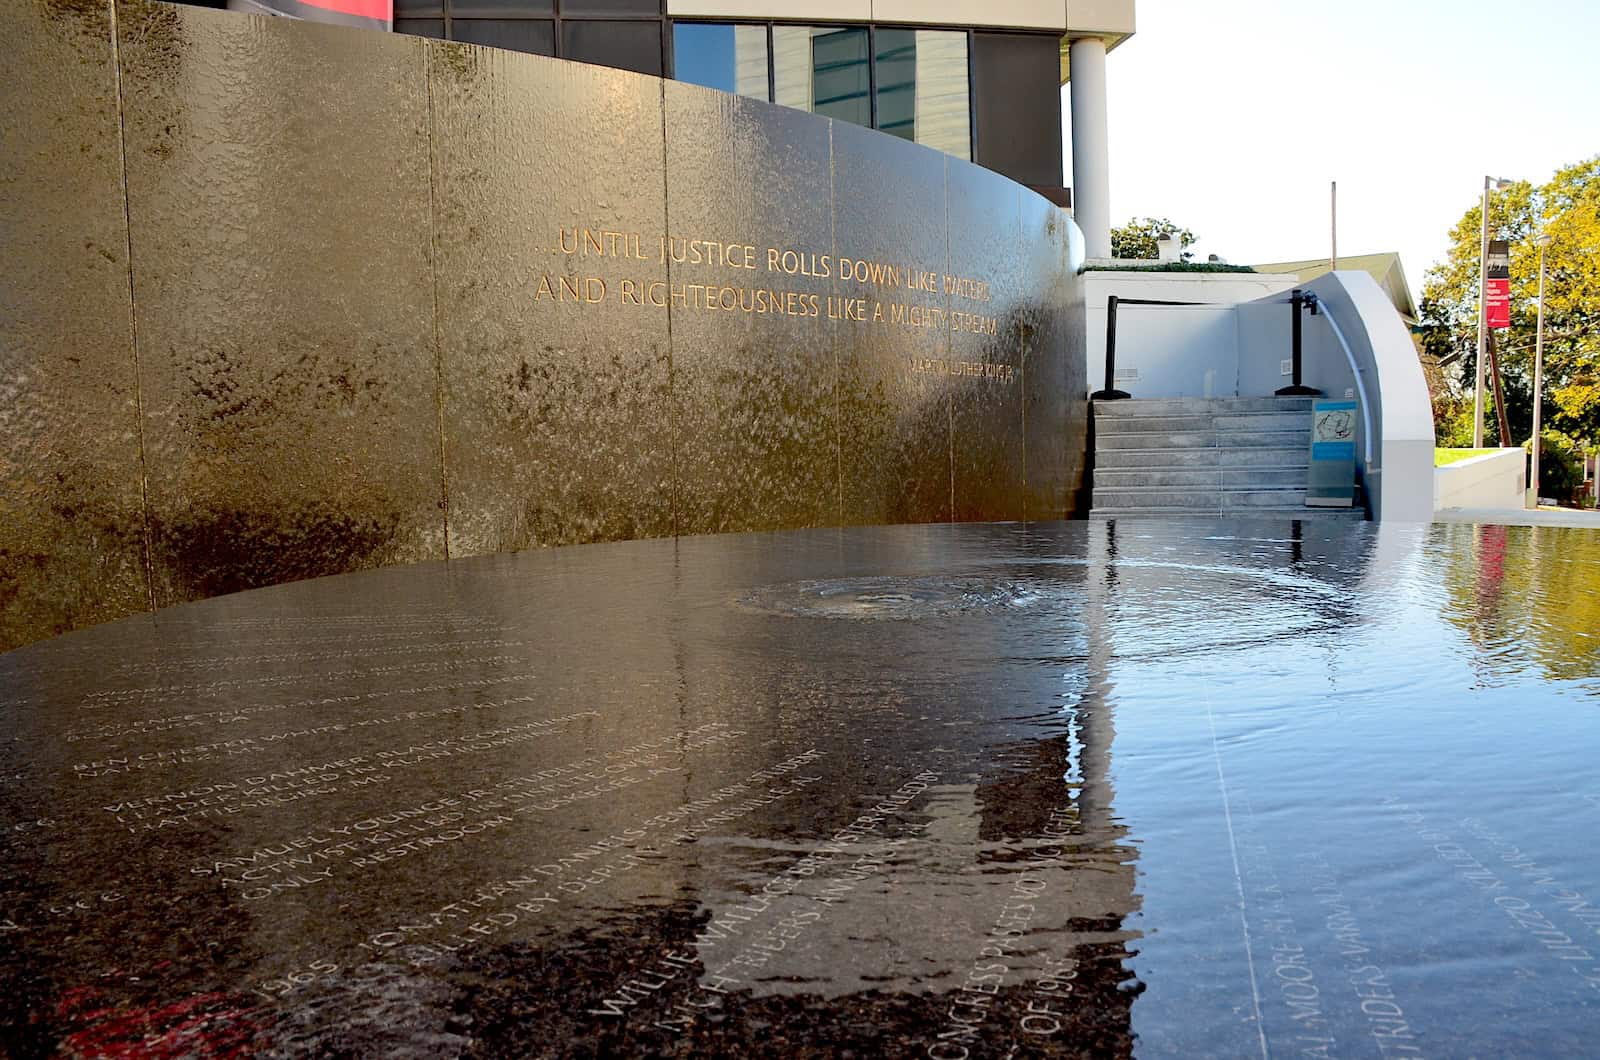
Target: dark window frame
x=872, y=54
x=669, y=58
x=872, y=107
x=554, y=43
x=972, y=110
x=872, y=75
x=878, y=89
x=669, y=42
x=556, y=16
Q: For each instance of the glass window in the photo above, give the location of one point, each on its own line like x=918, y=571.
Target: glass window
x=1024, y=143
x=791, y=66
x=577, y=8
x=421, y=27
x=502, y=8
x=942, y=96
x=897, y=82
x=823, y=70
x=840, y=79
x=518, y=35
x=624, y=45
x=915, y=80
x=721, y=56
x=418, y=8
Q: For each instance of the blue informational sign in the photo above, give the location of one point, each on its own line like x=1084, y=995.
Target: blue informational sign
x=1331, y=480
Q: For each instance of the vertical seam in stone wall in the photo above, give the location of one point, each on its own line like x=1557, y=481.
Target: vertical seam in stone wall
x=836, y=346
x=674, y=469
x=433, y=275
x=949, y=353
x=950, y=434
x=1028, y=284
x=133, y=311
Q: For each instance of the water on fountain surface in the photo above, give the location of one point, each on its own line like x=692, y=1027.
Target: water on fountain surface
x=1106, y=788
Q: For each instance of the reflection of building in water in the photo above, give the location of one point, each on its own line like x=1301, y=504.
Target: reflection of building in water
x=980, y=902
x=990, y=923
x=1308, y=575
x=955, y=883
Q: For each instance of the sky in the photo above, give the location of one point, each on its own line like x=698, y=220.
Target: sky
x=1231, y=117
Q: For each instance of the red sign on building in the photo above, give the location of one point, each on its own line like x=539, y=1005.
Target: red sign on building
x=367, y=14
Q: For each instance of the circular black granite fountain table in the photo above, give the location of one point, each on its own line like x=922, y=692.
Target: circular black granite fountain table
x=948, y=791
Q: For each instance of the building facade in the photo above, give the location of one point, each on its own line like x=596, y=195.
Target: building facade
x=978, y=80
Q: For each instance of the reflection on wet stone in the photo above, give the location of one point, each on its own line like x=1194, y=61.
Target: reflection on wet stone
x=889, y=598
x=1094, y=789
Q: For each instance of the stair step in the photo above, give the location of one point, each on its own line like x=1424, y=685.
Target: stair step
x=1213, y=457
x=1209, y=456
x=1199, y=406
x=1357, y=513
x=1264, y=498
x=1265, y=421
x=1148, y=424
x=1200, y=439
x=1224, y=421
x=1198, y=499
x=1200, y=477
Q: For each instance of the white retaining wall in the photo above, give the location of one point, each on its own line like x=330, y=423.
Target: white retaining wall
x=1493, y=480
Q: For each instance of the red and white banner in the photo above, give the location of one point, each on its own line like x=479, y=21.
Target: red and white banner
x=1497, y=285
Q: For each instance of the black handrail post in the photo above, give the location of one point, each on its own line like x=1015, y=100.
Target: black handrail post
x=1298, y=300
x=1111, y=393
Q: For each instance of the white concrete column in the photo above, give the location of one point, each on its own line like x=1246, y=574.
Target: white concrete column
x=1091, y=169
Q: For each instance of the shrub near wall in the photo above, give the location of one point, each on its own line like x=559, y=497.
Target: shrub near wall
x=1561, y=469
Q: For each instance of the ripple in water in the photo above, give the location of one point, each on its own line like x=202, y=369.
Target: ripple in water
x=885, y=597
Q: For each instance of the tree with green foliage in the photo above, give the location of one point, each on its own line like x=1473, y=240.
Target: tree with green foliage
x=1567, y=208
x=1137, y=238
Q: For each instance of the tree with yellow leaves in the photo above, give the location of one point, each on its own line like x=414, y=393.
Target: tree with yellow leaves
x=1567, y=209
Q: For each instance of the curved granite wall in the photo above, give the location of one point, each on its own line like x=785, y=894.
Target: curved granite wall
x=284, y=300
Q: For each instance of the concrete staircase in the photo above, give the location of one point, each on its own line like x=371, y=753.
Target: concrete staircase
x=1204, y=456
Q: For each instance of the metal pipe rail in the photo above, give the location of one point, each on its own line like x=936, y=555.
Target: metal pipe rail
x=1111, y=393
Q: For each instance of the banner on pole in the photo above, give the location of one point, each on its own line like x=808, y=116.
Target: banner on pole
x=1497, y=285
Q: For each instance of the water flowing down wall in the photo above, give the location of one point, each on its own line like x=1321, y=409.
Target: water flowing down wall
x=284, y=300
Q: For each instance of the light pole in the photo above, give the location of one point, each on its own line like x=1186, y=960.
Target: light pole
x=1542, y=241
x=1483, y=311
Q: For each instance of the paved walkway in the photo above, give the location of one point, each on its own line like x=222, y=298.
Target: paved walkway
x=1519, y=517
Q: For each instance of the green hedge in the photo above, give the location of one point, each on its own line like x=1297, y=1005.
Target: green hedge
x=1560, y=468
x=1171, y=266
x=1445, y=455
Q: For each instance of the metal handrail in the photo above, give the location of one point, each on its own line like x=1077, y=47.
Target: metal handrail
x=1361, y=390
x=1111, y=393
x=1298, y=301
